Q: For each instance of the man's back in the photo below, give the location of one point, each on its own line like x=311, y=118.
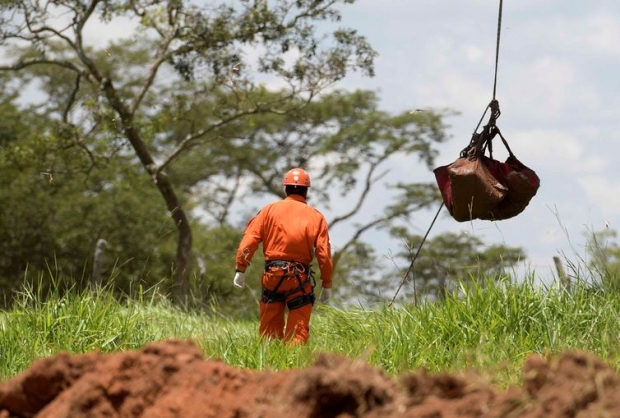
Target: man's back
x=290, y=230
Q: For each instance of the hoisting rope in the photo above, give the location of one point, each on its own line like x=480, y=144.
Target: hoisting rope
x=488, y=130
x=410, y=268
x=499, y=31
x=475, y=141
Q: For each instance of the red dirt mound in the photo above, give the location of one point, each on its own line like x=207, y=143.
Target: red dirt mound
x=171, y=379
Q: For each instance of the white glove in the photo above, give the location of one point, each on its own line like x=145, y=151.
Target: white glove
x=326, y=294
x=239, y=280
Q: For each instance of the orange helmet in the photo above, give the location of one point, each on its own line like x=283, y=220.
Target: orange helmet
x=297, y=177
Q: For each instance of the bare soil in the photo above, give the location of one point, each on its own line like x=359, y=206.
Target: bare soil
x=172, y=379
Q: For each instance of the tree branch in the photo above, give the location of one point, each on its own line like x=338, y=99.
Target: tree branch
x=367, y=186
x=372, y=224
x=192, y=137
x=160, y=57
x=230, y=200
x=72, y=96
x=81, y=22
x=268, y=181
x=355, y=237
x=309, y=13
x=79, y=47
x=21, y=64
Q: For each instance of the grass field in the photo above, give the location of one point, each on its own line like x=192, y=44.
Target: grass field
x=491, y=328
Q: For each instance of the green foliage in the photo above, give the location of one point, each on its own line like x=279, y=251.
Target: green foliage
x=358, y=275
x=343, y=136
x=57, y=202
x=489, y=326
x=450, y=258
x=77, y=321
x=604, y=253
x=216, y=248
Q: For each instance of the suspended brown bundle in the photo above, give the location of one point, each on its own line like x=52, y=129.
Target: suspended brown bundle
x=479, y=187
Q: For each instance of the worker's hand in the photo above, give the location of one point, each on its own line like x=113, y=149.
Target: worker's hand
x=239, y=280
x=326, y=295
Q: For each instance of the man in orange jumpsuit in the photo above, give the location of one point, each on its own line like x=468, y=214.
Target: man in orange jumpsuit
x=292, y=233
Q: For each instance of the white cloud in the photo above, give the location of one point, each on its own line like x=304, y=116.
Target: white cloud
x=96, y=32
x=605, y=191
x=594, y=34
x=451, y=88
x=544, y=87
x=99, y=33
x=559, y=151
x=474, y=53
x=601, y=34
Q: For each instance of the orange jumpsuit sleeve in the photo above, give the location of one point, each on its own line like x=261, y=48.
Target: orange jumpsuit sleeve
x=323, y=253
x=252, y=237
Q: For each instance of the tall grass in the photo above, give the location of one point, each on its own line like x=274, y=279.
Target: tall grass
x=488, y=326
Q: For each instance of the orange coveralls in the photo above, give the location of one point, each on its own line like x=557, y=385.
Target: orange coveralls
x=290, y=230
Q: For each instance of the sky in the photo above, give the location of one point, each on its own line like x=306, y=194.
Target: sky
x=557, y=88
x=558, y=92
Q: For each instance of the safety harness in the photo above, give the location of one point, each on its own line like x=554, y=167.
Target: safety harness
x=289, y=270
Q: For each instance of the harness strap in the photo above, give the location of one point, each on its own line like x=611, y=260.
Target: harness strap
x=301, y=301
x=482, y=141
x=289, y=266
x=291, y=269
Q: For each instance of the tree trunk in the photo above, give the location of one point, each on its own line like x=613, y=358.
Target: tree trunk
x=180, y=285
x=96, y=280
x=561, y=273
